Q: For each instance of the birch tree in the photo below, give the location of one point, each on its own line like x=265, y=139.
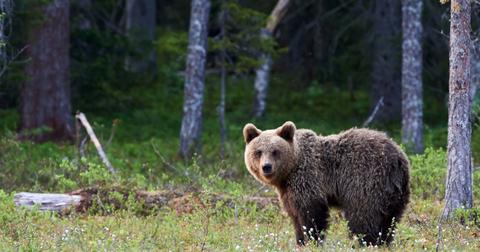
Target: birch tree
x=386, y=64
x=141, y=25
x=459, y=175
x=262, y=78
x=412, y=104
x=45, y=96
x=190, y=131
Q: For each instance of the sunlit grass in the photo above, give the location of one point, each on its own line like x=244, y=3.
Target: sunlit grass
x=214, y=228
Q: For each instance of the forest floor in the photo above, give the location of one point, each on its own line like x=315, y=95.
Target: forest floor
x=220, y=227
x=195, y=218
x=143, y=146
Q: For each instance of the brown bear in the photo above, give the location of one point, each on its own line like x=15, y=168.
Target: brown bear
x=360, y=171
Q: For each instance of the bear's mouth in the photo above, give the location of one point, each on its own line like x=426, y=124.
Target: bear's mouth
x=268, y=175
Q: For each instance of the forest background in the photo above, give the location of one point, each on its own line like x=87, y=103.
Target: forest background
x=334, y=65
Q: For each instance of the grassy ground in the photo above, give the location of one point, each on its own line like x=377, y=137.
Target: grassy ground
x=217, y=228
x=144, y=150
x=223, y=226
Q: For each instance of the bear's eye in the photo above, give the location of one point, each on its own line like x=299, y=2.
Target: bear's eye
x=275, y=153
x=258, y=153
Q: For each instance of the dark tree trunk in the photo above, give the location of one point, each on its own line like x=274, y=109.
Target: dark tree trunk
x=6, y=8
x=319, y=44
x=412, y=103
x=262, y=78
x=223, y=87
x=141, y=24
x=84, y=9
x=386, y=59
x=459, y=176
x=45, y=97
x=194, y=80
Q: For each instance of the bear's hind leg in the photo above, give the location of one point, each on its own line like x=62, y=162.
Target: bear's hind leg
x=314, y=221
x=376, y=230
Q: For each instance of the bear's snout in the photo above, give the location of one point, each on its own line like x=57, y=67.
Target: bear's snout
x=267, y=169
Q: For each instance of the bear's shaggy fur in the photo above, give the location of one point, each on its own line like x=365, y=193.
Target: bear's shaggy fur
x=360, y=171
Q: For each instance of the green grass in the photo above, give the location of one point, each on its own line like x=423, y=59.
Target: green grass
x=144, y=150
x=216, y=228
x=219, y=227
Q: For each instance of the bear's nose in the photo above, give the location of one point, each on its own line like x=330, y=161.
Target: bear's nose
x=267, y=168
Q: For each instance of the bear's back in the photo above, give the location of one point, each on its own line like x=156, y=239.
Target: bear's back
x=370, y=163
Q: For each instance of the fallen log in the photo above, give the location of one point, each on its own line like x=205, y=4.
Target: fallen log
x=47, y=201
x=97, y=199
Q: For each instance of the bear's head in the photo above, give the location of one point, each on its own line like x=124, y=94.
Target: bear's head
x=270, y=154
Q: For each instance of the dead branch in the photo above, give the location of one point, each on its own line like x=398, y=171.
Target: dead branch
x=81, y=147
x=277, y=15
x=374, y=112
x=171, y=167
x=112, y=132
x=83, y=119
x=8, y=62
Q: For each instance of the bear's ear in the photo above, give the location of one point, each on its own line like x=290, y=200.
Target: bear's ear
x=250, y=132
x=287, y=131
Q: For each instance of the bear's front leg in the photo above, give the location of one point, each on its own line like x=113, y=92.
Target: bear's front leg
x=299, y=237
x=313, y=221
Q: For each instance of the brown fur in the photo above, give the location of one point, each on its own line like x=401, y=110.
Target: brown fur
x=360, y=171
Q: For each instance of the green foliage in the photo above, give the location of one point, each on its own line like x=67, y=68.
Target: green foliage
x=428, y=173
x=107, y=83
x=468, y=217
x=171, y=50
x=95, y=174
x=25, y=165
x=100, y=80
x=242, y=41
x=476, y=132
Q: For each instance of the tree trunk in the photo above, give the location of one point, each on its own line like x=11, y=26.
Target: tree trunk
x=140, y=25
x=386, y=61
x=262, y=78
x=6, y=8
x=412, y=104
x=320, y=45
x=459, y=176
x=82, y=18
x=45, y=96
x=195, y=77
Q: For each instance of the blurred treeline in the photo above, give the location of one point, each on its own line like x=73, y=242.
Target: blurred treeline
x=321, y=77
